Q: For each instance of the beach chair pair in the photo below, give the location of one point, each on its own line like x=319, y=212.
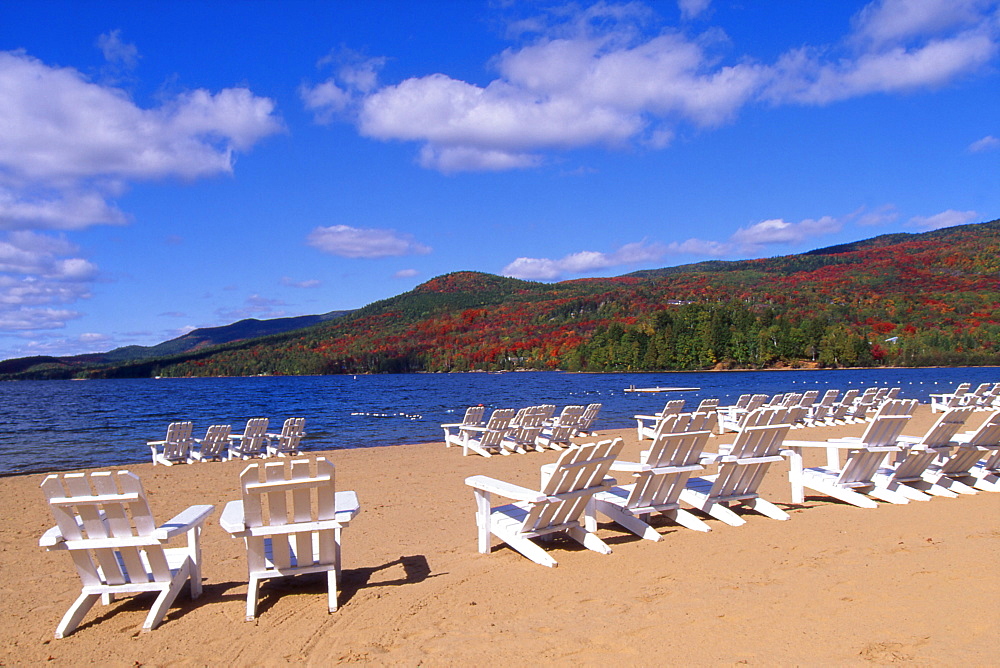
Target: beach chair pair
x=290, y=517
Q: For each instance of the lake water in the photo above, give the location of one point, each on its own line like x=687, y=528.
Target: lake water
x=57, y=425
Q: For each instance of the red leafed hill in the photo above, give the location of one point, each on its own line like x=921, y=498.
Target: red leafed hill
x=905, y=299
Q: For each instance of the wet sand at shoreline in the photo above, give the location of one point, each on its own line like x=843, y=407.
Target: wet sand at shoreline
x=835, y=585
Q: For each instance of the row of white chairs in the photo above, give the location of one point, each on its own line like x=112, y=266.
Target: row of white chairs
x=883, y=464
x=508, y=431
x=220, y=444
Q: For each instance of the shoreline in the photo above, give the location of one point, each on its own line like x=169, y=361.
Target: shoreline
x=834, y=584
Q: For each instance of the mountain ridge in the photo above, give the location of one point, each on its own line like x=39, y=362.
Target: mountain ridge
x=933, y=294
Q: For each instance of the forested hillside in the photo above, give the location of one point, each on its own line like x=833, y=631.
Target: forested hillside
x=901, y=299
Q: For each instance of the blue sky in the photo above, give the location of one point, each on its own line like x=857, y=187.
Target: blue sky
x=172, y=165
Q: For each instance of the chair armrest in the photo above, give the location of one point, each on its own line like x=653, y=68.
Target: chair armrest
x=183, y=522
x=630, y=467
x=51, y=538
x=647, y=417
x=232, y=517
x=504, y=489
x=154, y=443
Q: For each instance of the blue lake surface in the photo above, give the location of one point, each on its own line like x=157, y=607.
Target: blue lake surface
x=58, y=425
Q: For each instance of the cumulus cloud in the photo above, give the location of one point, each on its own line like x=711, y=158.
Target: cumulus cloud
x=609, y=75
x=987, y=143
x=38, y=274
x=778, y=231
x=69, y=146
x=585, y=261
x=692, y=8
x=117, y=51
x=947, y=218
x=360, y=242
x=406, y=273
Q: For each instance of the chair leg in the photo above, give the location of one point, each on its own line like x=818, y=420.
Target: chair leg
x=588, y=540
x=253, y=591
x=721, y=512
x=332, y=585
x=688, y=520
x=166, y=597
x=75, y=614
x=767, y=509
x=530, y=550
x=626, y=520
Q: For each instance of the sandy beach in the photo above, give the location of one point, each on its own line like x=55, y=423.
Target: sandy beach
x=835, y=585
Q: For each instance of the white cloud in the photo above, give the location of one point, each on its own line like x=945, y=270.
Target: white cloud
x=881, y=216
x=117, y=51
x=947, y=218
x=359, y=242
x=987, y=143
x=890, y=21
x=607, y=75
x=406, y=273
x=585, y=261
x=777, y=231
x=692, y=8
x=68, y=146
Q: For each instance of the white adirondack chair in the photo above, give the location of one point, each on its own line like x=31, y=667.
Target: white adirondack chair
x=487, y=440
x=645, y=425
x=525, y=429
x=822, y=412
x=473, y=418
x=252, y=442
x=731, y=418
x=906, y=474
x=175, y=448
x=854, y=480
x=289, y=442
x=585, y=424
x=215, y=445
x=660, y=475
x=291, y=519
x=558, y=434
x=559, y=505
x=742, y=467
x=104, y=521
x=962, y=471
x=944, y=401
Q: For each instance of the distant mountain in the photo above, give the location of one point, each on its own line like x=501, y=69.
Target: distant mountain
x=900, y=299
x=192, y=341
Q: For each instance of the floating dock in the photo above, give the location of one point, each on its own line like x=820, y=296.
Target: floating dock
x=633, y=388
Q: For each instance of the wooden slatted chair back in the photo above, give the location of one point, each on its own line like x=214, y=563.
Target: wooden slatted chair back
x=527, y=425
x=568, y=486
x=672, y=407
x=288, y=495
x=984, y=439
x=912, y=462
x=474, y=415
x=254, y=438
x=707, y=405
x=289, y=441
x=674, y=457
x=107, y=524
x=589, y=417
x=879, y=438
x=756, y=447
x=497, y=428
x=215, y=443
x=756, y=401
x=178, y=443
